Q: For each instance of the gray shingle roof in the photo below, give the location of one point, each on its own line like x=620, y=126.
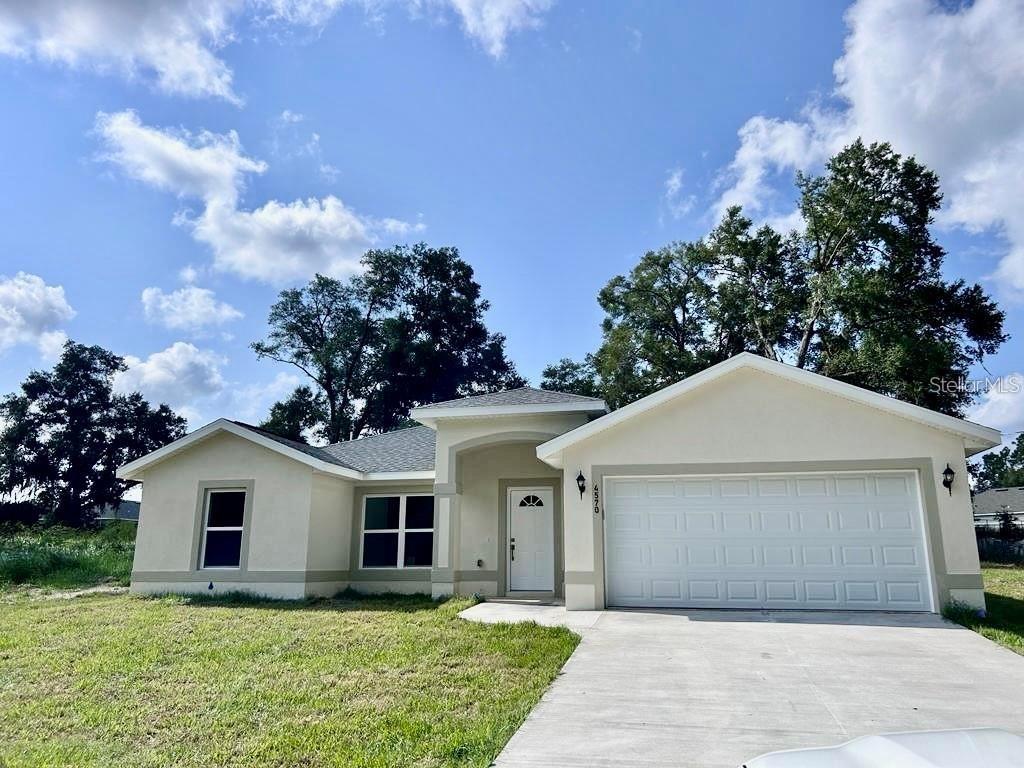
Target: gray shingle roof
x=521, y=396
x=404, y=450
x=994, y=499
x=309, y=450
x=412, y=449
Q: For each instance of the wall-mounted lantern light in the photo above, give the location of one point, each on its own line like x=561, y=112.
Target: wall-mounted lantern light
x=581, y=483
x=947, y=478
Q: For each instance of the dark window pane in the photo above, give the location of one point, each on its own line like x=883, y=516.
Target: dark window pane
x=223, y=549
x=419, y=512
x=419, y=549
x=226, y=509
x=380, y=550
x=381, y=512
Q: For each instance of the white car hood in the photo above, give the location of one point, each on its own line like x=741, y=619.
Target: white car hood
x=969, y=748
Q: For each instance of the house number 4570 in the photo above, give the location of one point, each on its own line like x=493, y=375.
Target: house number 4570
x=597, y=501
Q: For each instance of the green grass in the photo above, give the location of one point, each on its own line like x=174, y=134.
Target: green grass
x=64, y=558
x=107, y=680
x=1004, y=598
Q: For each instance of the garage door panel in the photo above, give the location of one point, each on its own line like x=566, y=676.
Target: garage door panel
x=821, y=541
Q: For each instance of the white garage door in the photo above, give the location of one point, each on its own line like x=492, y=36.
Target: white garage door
x=831, y=541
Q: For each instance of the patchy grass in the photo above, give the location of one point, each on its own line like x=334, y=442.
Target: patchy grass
x=63, y=558
x=362, y=683
x=1004, y=598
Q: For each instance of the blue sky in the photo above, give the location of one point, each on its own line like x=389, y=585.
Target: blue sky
x=158, y=160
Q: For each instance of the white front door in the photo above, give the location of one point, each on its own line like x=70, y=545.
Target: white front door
x=531, y=540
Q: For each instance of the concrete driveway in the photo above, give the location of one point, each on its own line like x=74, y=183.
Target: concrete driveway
x=716, y=688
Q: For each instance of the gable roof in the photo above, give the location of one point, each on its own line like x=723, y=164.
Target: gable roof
x=310, y=450
x=406, y=454
x=994, y=499
x=510, y=402
x=520, y=396
x=976, y=437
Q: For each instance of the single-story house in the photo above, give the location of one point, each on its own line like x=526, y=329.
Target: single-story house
x=991, y=503
x=753, y=484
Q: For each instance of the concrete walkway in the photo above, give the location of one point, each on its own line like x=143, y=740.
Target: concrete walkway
x=716, y=688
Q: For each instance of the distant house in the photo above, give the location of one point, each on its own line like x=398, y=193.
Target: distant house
x=127, y=510
x=988, y=505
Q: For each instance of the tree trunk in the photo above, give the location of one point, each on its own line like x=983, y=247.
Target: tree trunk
x=333, y=427
x=805, y=344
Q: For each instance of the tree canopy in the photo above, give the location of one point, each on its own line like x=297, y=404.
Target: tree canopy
x=408, y=330
x=1000, y=469
x=67, y=431
x=858, y=295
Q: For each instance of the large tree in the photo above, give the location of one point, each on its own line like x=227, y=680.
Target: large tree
x=858, y=295
x=67, y=431
x=408, y=330
x=1000, y=469
x=299, y=413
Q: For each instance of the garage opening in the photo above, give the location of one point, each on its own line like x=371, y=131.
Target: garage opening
x=831, y=541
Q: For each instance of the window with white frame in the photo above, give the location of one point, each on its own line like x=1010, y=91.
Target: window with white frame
x=398, y=531
x=223, y=521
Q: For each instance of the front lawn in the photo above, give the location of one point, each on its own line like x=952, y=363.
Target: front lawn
x=1004, y=598
x=108, y=680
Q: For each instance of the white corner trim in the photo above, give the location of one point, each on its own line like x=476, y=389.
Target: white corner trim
x=429, y=415
x=976, y=436
x=131, y=470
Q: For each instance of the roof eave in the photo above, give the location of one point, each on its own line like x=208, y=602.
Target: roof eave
x=429, y=415
x=133, y=470
x=976, y=437
x=423, y=475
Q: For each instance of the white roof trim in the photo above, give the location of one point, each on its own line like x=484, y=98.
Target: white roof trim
x=131, y=470
x=431, y=415
x=976, y=437
x=423, y=475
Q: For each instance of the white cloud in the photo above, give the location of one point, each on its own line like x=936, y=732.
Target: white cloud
x=190, y=308
x=208, y=166
x=636, y=39
x=192, y=382
x=676, y=203
x=251, y=403
x=330, y=173
x=490, y=22
x=31, y=312
x=276, y=242
x=307, y=13
x=944, y=85
x=181, y=376
x=1002, y=405
x=174, y=43
x=282, y=241
x=51, y=344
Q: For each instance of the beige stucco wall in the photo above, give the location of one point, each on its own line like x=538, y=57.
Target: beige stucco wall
x=759, y=418
x=482, y=505
x=330, y=524
x=283, y=555
x=463, y=434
